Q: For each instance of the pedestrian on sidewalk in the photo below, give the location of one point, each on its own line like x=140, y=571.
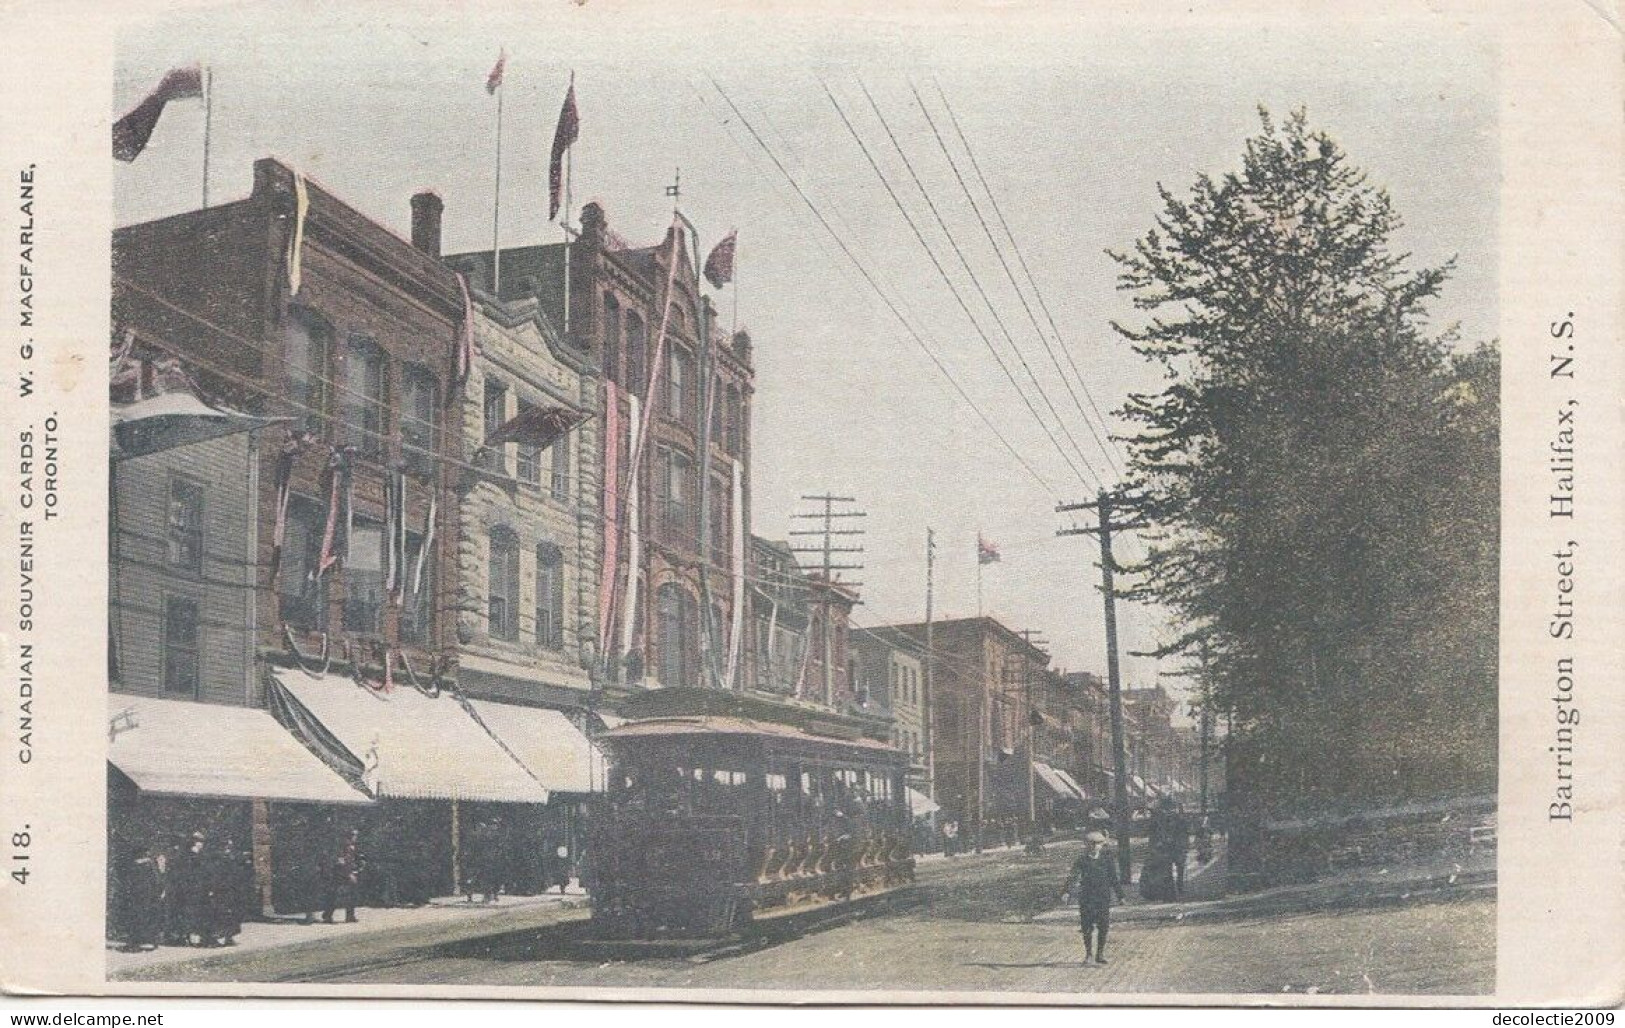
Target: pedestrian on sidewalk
x=342, y=878
x=1093, y=880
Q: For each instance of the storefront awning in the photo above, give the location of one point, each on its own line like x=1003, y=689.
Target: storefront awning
x=1046, y=774
x=406, y=744
x=921, y=805
x=1072, y=783
x=180, y=748
x=551, y=748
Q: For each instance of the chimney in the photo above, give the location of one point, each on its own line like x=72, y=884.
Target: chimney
x=426, y=210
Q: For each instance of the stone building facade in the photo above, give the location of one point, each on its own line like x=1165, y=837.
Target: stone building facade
x=529, y=538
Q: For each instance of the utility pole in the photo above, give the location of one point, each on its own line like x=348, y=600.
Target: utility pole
x=930, y=655
x=829, y=566
x=1103, y=506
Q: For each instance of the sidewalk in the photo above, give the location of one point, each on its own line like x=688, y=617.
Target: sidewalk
x=440, y=917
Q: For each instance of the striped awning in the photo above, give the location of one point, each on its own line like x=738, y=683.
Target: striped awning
x=207, y=750
x=406, y=745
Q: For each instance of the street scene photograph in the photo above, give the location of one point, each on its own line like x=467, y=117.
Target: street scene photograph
x=742, y=506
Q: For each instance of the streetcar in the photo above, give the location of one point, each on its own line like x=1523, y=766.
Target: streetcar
x=711, y=826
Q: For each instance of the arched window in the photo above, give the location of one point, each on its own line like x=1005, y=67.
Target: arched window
x=735, y=420
x=637, y=375
x=549, y=597
x=611, y=336
x=675, y=627
x=502, y=596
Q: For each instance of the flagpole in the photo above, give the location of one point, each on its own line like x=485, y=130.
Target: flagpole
x=569, y=156
x=208, y=120
x=496, y=206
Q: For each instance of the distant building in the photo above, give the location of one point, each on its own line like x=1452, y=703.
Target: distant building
x=981, y=722
x=890, y=681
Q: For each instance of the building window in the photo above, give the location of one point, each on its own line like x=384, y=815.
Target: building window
x=307, y=342
x=636, y=345
x=186, y=525
x=181, y=630
x=675, y=624
x=502, y=599
x=495, y=416
x=734, y=432
x=713, y=399
x=561, y=468
x=417, y=605
x=678, y=386
x=302, y=597
x=611, y=336
x=721, y=526
x=678, y=516
x=364, y=578
x=363, y=402
x=529, y=468
x=549, y=597
x=418, y=416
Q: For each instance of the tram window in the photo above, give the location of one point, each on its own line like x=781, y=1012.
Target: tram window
x=777, y=783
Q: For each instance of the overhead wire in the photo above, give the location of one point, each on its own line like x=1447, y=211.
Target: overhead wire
x=1021, y=258
x=970, y=272
x=943, y=273
x=884, y=297
x=998, y=251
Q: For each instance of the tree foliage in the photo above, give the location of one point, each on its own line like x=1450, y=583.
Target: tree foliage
x=1324, y=469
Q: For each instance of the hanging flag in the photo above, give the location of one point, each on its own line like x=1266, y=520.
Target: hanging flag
x=131, y=132
x=464, y=360
x=296, y=238
x=987, y=551
x=719, y=267
x=563, y=137
x=493, y=81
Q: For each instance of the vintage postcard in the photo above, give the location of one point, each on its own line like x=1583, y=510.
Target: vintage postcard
x=949, y=502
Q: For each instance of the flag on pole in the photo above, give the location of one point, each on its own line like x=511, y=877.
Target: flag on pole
x=493, y=81
x=131, y=132
x=719, y=267
x=563, y=137
x=987, y=551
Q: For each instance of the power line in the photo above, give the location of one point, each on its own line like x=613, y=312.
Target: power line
x=941, y=271
x=976, y=281
x=1016, y=249
x=998, y=252
x=869, y=278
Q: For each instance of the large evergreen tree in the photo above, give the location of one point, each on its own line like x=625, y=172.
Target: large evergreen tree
x=1324, y=469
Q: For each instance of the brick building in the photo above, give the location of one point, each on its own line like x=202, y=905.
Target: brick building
x=980, y=723
x=292, y=305
x=676, y=451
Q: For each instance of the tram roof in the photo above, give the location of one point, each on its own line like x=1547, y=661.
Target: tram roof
x=735, y=726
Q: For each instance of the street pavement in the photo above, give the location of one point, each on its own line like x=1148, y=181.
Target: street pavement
x=989, y=923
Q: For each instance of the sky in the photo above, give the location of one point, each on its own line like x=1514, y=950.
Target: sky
x=1074, y=116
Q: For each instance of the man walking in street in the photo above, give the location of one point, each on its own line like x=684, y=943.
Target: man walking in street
x=1094, y=879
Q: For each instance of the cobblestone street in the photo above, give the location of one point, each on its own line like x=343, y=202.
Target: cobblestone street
x=991, y=924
